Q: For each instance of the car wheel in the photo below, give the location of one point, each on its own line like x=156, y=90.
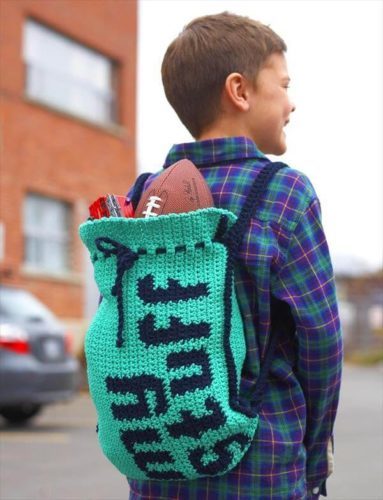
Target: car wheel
x=18, y=415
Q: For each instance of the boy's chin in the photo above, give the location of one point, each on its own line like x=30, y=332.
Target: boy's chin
x=277, y=149
x=281, y=147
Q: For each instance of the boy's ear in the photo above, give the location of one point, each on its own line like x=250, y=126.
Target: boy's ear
x=237, y=91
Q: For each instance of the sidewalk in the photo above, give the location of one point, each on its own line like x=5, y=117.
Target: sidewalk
x=358, y=471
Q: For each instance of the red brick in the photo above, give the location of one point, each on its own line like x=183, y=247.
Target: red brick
x=51, y=153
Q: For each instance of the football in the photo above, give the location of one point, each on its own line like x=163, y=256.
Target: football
x=179, y=188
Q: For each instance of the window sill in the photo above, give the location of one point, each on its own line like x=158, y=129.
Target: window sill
x=63, y=277
x=112, y=129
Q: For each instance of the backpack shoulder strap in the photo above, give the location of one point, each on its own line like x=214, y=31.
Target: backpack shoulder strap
x=138, y=188
x=282, y=323
x=235, y=234
x=281, y=318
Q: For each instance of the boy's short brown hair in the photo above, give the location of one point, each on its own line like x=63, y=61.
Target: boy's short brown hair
x=198, y=61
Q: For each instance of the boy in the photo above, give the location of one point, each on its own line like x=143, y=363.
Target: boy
x=226, y=77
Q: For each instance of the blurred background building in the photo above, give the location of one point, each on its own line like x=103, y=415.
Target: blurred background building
x=68, y=135
x=361, y=311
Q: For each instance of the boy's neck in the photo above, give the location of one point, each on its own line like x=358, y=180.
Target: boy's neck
x=223, y=130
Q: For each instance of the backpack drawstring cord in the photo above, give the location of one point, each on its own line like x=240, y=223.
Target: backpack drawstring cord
x=125, y=261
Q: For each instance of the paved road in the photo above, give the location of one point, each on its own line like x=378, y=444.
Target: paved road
x=57, y=458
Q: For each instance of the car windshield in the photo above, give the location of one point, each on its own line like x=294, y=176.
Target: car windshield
x=22, y=305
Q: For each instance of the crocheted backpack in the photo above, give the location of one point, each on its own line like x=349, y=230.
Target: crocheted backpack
x=166, y=347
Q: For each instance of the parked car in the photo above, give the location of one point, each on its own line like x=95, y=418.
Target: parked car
x=36, y=363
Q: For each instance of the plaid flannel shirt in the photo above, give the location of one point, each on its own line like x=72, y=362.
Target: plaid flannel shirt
x=285, y=252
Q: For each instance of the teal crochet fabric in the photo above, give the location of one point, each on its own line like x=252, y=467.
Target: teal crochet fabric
x=166, y=347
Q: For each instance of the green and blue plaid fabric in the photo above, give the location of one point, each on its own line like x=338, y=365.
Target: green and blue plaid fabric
x=285, y=253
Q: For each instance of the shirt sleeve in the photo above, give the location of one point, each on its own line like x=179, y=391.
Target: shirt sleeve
x=306, y=283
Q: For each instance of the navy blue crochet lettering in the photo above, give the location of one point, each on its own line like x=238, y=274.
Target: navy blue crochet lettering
x=139, y=386
x=143, y=460
x=132, y=437
x=174, y=291
x=193, y=426
x=147, y=460
x=165, y=475
x=184, y=359
x=224, y=456
x=176, y=332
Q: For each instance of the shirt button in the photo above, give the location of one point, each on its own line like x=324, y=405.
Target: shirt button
x=316, y=490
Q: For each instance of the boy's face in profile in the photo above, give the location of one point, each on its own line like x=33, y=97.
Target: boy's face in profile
x=270, y=106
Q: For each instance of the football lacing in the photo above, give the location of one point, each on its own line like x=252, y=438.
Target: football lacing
x=151, y=205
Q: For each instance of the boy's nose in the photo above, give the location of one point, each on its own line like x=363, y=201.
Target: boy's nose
x=293, y=107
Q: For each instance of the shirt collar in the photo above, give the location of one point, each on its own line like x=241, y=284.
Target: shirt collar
x=214, y=151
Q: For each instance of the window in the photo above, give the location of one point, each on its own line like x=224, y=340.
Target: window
x=67, y=75
x=46, y=234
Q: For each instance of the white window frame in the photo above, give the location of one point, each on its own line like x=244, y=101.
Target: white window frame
x=68, y=76
x=41, y=238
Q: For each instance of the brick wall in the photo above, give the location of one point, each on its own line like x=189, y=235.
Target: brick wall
x=53, y=153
